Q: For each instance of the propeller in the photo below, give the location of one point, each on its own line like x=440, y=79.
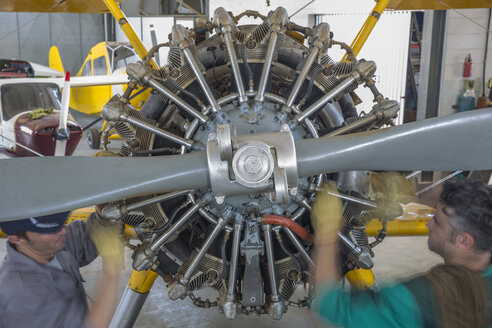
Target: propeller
x=62, y=133
x=459, y=141
x=31, y=186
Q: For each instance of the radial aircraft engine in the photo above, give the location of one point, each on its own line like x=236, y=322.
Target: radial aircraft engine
x=226, y=155
x=264, y=89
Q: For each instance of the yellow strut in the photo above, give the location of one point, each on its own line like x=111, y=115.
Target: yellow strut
x=416, y=227
x=360, y=279
x=142, y=281
x=413, y=222
x=366, y=29
x=128, y=30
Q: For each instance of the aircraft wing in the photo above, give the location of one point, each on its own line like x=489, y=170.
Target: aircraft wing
x=55, y=6
x=75, y=82
x=45, y=71
x=90, y=81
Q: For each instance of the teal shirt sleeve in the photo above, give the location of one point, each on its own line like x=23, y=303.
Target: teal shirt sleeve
x=391, y=306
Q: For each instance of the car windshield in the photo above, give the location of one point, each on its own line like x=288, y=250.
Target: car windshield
x=22, y=97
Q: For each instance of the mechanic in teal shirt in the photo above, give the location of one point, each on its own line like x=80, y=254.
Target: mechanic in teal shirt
x=455, y=294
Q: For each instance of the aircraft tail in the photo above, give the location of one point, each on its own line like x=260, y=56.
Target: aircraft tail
x=55, y=61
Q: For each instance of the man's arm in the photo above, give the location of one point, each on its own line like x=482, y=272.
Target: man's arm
x=326, y=257
x=391, y=307
x=107, y=239
x=79, y=243
x=325, y=217
x=101, y=312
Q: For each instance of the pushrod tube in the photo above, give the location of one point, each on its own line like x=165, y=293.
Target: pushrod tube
x=260, y=96
x=353, y=126
x=327, y=97
x=302, y=76
x=267, y=233
x=177, y=100
x=175, y=227
x=231, y=289
x=157, y=199
x=299, y=247
x=163, y=133
x=235, y=67
x=206, y=245
x=354, y=248
x=201, y=79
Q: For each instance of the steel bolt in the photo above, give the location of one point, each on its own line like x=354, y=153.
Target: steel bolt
x=252, y=164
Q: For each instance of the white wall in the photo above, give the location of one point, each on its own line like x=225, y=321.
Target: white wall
x=464, y=37
x=387, y=46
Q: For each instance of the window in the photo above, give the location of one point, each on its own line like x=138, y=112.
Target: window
x=100, y=67
x=87, y=69
x=22, y=97
x=122, y=56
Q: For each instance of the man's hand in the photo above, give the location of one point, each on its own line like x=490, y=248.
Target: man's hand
x=110, y=247
x=326, y=212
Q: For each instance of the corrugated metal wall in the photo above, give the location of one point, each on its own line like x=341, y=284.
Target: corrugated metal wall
x=29, y=36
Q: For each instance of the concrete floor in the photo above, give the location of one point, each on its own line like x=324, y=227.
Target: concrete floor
x=396, y=258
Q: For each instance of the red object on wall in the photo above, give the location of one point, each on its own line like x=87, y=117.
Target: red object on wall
x=468, y=66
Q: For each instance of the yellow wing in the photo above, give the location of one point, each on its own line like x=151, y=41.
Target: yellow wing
x=55, y=6
x=437, y=5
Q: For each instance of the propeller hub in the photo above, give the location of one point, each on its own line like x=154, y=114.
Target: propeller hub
x=253, y=164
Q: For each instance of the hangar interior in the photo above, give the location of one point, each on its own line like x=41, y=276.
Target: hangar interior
x=433, y=63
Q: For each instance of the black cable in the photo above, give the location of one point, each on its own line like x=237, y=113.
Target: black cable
x=92, y=123
x=486, y=49
x=311, y=84
x=186, y=92
x=286, y=251
x=225, y=267
x=171, y=219
x=138, y=92
x=156, y=151
x=249, y=72
x=215, y=61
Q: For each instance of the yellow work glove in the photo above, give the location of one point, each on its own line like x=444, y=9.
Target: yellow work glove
x=109, y=245
x=393, y=185
x=326, y=212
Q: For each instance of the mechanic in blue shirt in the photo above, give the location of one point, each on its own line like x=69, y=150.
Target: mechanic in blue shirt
x=40, y=281
x=454, y=294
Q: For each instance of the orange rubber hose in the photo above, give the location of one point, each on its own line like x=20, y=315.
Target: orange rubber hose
x=288, y=223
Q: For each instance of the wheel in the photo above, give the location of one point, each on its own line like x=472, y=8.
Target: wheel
x=93, y=138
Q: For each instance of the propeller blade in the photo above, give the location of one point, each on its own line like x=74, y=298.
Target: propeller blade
x=32, y=186
x=455, y=142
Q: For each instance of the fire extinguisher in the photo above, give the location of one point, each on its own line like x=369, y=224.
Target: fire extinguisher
x=467, y=67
